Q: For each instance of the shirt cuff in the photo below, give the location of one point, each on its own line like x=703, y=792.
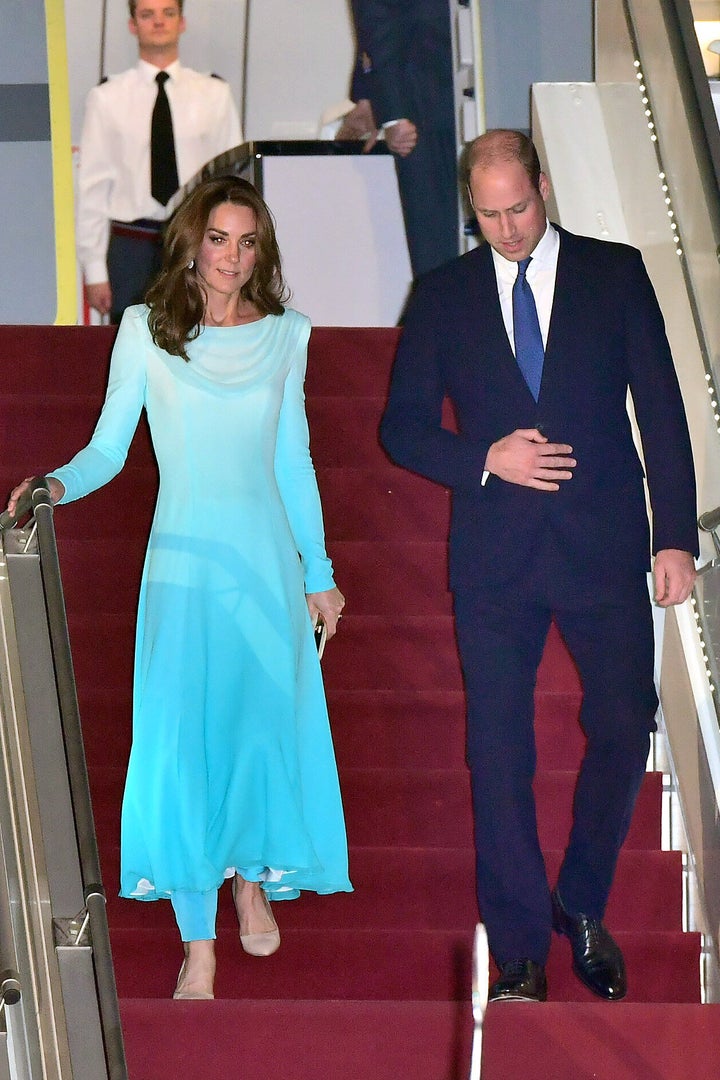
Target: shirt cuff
x=95, y=272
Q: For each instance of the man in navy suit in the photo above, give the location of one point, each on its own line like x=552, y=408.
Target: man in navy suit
x=403, y=82
x=549, y=521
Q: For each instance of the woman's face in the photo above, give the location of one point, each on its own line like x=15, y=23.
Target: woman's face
x=226, y=258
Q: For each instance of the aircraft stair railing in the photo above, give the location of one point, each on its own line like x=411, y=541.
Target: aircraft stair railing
x=690, y=699
x=673, y=215
x=9, y=976
x=57, y=984
x=635, y=157
x=706, y=603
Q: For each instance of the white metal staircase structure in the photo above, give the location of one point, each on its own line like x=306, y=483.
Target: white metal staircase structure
x=635, y=157
x=58, y=1005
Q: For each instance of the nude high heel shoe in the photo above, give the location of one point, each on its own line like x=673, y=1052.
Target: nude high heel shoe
x=183, y=994
x=202, y=990
x=264, y=943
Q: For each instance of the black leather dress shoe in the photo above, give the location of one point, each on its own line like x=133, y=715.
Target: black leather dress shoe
x=520, y=980
x=597, y=960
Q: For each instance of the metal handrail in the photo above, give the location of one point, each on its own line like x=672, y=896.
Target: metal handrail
x=10, y=985
x=38, y=499
x=480, y=978
x=709, y=522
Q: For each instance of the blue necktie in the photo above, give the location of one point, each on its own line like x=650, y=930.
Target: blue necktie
x=529, y=351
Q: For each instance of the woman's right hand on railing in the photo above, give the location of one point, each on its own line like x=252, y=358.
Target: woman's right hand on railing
x=56, y=489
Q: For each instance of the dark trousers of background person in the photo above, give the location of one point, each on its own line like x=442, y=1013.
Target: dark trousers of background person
x=134, y=258
x=501, y=635
x=428, y=185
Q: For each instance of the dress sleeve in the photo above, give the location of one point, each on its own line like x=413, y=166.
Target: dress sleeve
x=295, y=473
x=105, y=454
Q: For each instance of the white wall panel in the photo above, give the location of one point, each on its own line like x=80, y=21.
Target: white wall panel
x=299, y=61
x=340, y=231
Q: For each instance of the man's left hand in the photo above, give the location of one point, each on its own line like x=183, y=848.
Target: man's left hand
x=674, y=575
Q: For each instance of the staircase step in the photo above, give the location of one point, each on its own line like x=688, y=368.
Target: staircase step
x=403, y=654
x=117, y=517
x=429, y=807
x=424, y=807
x=393, y=577
x=382, y=504
x=426, y=729
x=120, y=512
x=345, y=361
x=371, y=729
x=297, y=1040
x=48, y=427
x=55, y=361
x=377, y=577
x=430, y=889
x=422, y=1040
x=350, y=362
x=344, y=431
x=622, y=1041
x=87, y=590
x=430, y=965
x=419, y=653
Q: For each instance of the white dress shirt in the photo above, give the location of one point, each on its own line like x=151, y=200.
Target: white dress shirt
x=114, y=171
x=541, y=278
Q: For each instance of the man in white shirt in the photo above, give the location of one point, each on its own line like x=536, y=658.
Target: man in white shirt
x=119, y=222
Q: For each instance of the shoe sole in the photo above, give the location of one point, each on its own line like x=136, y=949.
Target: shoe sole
x=517, y=997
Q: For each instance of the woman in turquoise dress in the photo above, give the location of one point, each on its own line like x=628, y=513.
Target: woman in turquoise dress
x=232, y=771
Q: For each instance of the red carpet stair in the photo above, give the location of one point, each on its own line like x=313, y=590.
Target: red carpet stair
x=375, y=984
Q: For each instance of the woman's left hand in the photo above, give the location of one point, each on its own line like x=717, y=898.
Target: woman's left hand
x=329, y=604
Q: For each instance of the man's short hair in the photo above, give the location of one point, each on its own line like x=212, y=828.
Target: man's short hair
x=132, y=4
x=502, y=145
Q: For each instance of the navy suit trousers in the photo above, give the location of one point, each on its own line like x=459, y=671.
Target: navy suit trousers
x=132, y=264
x=501, y=636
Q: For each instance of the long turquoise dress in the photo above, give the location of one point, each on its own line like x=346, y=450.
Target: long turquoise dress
x=232, y=764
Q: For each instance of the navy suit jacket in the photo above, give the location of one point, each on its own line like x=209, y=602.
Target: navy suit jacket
x=408, y=43
x=406, y=48
x=606, y=334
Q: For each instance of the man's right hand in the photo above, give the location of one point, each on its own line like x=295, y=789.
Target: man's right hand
x=525, y=457
x=401, y=137
x=99, y=296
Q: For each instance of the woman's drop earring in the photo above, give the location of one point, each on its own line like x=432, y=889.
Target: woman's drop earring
x=191, y=264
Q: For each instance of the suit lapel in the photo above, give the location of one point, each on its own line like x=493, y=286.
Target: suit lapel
x=564, y=316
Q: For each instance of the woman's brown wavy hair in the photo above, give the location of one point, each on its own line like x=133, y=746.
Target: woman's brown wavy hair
x=177, y=298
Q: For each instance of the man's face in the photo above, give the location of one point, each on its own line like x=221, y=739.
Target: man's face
x=157, y=25
x=509, y=210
